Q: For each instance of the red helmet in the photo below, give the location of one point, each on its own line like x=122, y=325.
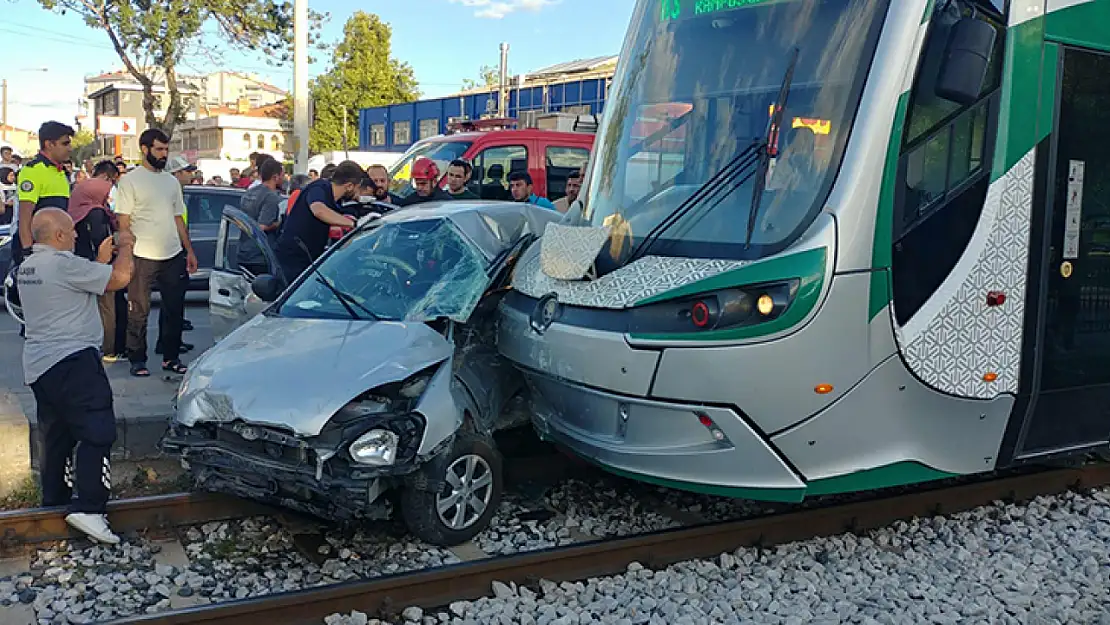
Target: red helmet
x=425, y=169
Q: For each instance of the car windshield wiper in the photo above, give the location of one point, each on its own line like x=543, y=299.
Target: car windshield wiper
x=344, y=298
x=770, y=146
x=733, y=175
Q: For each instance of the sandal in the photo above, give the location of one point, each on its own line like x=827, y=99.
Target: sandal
x=175, y=367
x=140, y=371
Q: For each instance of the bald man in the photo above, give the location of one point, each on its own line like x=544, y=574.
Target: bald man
x=62, y=365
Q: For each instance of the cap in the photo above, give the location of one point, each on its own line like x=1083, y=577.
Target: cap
x=179, y=163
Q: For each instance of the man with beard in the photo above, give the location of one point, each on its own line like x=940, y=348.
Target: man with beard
x=380, y=175
x=574, y=185
x=150, y=205
x=425, y=177
x=304, y=236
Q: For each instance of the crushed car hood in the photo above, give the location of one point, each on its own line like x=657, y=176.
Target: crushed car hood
x=296, y=373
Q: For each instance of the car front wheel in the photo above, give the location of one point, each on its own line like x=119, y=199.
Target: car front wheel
x=469, y=479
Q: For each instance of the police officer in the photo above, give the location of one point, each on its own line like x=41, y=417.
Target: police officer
x=425, y=181
x=42, y=182
x=61, y=364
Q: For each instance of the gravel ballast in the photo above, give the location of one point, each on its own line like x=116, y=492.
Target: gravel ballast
x=1047, y=561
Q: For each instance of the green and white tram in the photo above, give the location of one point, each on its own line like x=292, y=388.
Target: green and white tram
x=832, y=245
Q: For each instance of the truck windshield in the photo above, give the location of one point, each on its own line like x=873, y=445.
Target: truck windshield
x=442, y=152
x=696, y=86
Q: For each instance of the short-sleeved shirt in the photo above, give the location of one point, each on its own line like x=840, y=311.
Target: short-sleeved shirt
x=302, y=225
x=43, y=183
x=261, y=204
x=152, y=199
x=58, y=291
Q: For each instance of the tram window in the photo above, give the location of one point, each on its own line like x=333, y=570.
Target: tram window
x=943, y=169
x=929, y=111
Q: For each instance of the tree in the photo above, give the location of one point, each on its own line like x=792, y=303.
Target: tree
x=152, y=36
x=489, y=77
x=363, y=74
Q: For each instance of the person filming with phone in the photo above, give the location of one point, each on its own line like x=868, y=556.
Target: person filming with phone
x=62, y=364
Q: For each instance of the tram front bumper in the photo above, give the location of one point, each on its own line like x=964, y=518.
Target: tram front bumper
x=671, y=444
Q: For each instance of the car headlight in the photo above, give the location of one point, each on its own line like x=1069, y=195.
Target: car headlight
x=376, y=448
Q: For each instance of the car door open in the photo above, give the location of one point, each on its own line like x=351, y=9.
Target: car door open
x=230, y=299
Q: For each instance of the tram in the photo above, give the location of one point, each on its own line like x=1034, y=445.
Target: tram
x=826, y=246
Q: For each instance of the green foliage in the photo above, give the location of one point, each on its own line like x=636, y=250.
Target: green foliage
x=488, y=77
x=152, y=36
x=363, y=74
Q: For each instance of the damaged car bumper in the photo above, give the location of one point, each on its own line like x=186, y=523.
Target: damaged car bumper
x=319, y=477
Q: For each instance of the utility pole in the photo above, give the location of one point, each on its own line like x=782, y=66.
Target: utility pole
x=300, y=85
x=5, y=112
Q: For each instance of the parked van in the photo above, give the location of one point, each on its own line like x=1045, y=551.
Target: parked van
x=548, y=156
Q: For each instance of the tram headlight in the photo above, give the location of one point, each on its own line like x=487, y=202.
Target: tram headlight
x=716, y=310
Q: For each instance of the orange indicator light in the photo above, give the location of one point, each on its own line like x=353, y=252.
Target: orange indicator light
x=823, y=389
x=990, y=376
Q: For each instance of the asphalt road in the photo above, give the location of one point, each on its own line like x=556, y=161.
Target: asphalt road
x=134, y=397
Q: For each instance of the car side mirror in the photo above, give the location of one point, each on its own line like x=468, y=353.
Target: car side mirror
x=267, y=287
x=966, y=61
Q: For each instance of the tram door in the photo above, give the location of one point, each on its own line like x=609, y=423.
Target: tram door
x=1069, y=407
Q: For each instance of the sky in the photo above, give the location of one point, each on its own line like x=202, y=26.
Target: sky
x=444, y=41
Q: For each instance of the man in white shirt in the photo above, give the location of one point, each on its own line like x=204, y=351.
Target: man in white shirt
x=150, y=205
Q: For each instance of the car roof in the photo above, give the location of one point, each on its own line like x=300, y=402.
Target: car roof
x=492, y=225
x=197, y=188
x=525, y=133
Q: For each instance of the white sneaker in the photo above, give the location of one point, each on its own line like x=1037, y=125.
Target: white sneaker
x=94, y=525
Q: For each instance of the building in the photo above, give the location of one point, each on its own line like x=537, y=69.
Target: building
x=23, y=142
x=222, y=89
x=218, y=89
x=578, y=87
x=125, y=99
x=232, y=134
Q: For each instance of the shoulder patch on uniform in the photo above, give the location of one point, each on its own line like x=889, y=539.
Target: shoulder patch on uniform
x=26, y=185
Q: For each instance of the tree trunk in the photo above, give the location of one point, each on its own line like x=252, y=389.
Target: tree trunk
x=174, y=110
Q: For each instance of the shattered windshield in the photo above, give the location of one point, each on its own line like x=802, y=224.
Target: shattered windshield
x=408, y=271
x=698, y=85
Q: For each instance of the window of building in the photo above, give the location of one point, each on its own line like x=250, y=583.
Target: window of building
x=429, y=128
x=377, y=134
x=275, y=143
x=402, y=133
x=261, y=141
x=247, y=140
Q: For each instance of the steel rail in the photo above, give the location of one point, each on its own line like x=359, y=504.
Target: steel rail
x=19, y=528
x=438, y=587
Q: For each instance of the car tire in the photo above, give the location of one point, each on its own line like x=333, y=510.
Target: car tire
x=432, y=514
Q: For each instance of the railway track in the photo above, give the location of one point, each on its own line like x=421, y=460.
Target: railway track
x=433, y=588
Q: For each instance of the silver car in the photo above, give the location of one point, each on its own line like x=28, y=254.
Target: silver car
x=375, y=370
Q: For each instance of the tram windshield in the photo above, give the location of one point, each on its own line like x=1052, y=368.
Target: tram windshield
x=696, y=88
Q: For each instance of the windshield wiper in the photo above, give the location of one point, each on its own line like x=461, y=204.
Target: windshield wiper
x=729, y=174
x=770, y=146
x=733, y=175
x=344, y=298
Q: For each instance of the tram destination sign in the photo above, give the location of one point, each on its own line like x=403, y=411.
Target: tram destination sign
x=683, y=9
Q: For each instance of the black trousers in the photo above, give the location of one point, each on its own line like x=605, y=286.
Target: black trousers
x=74, y=407
x=168, y=274
x=162, y=312
x=113, y=316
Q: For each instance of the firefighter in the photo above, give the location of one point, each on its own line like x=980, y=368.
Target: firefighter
x=425, y=182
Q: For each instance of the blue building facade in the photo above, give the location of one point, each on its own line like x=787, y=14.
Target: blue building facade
x=394, y=128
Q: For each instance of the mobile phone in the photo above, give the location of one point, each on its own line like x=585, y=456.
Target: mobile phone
x=115, y=239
